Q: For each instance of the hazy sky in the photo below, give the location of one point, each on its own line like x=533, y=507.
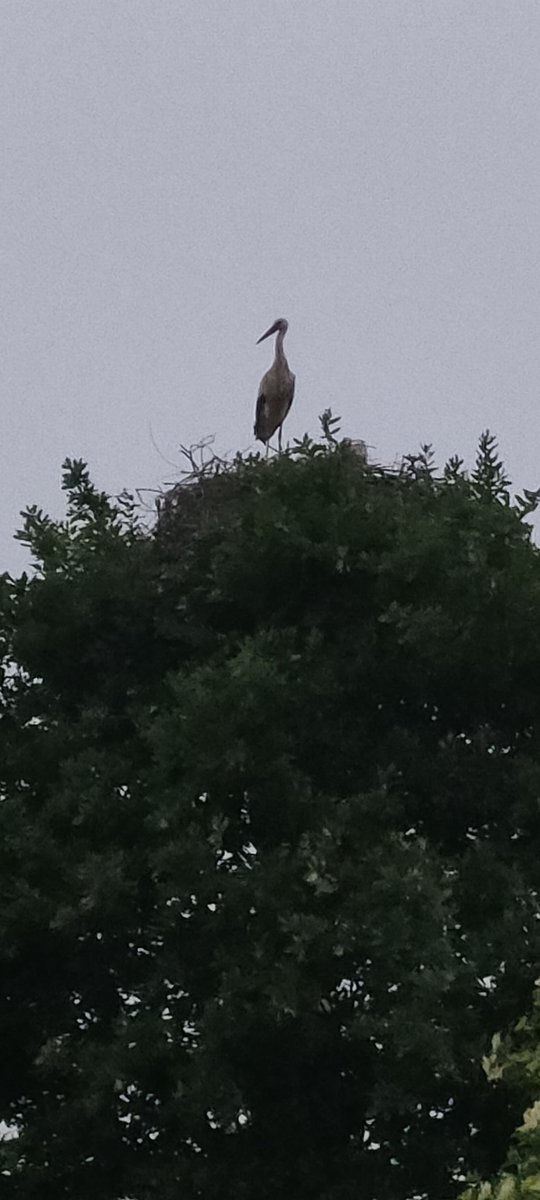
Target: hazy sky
x=177, y=173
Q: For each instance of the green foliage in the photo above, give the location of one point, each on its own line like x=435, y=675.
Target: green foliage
x=94, y=524
x=515, y=1060
x=489, y=481
x=269, y=801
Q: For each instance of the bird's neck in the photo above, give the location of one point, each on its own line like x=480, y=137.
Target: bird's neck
x=279, y=352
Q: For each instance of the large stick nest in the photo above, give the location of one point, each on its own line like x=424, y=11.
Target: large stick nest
x=196, y=502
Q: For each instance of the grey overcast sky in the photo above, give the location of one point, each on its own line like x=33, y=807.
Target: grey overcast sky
x=177, y=173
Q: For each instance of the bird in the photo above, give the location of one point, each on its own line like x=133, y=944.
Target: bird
x=276, y=389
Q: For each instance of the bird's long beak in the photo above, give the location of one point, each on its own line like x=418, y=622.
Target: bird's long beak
x=268, y=332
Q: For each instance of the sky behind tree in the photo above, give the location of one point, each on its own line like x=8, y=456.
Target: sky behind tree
x=178, y=174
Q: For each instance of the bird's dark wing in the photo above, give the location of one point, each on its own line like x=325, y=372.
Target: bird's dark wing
x=259, y=417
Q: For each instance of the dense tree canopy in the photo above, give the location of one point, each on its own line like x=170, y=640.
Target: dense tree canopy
x=270, y=779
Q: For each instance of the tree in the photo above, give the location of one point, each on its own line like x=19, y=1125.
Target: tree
x=516, y=1059
x=270, y=778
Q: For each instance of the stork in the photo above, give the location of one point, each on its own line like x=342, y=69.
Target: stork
x=276, y=389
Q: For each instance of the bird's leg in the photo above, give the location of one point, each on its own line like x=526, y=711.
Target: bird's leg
x=267, y=449
x=279, y=439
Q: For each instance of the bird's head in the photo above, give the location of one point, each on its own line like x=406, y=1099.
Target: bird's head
x=279, y=326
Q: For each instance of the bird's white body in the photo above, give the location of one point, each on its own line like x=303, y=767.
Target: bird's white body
x=276, y=389
x=275, y=397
